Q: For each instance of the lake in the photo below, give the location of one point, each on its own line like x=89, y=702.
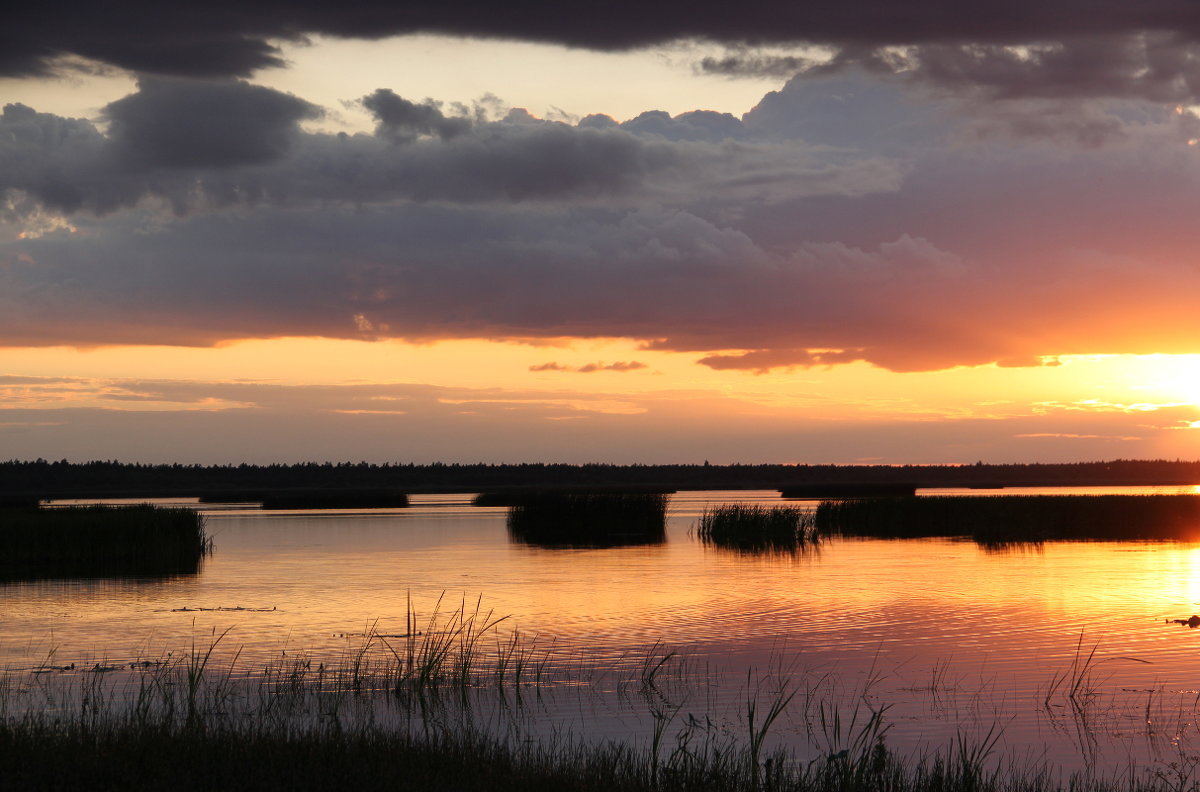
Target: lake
x=945, y=638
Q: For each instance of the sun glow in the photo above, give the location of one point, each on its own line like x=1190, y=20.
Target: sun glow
x=1173, y=377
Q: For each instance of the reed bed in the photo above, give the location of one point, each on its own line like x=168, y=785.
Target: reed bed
x=589, y=519
x=101, y=541
x=1001, y=519
x=757, y=528
x=191, y=722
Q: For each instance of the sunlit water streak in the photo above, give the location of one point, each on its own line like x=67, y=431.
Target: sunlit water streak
x=954, y=637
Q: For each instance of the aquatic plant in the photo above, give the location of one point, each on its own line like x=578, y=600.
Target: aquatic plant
x=757, y=528
x=100, y=541
x=1002, y=519
x=589, y=519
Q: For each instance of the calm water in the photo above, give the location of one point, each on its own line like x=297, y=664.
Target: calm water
x=956, y=639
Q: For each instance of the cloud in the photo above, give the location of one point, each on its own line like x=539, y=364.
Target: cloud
x=231, y=39
x=200, y=124
x=591, y=368
x=763, y=360
x=844, y=219
x=401, y=119
x=197, y=421
x=198, y=145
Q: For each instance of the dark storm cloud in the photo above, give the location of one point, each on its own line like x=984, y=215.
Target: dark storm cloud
x=401, y=119
x=1155, y=65
x=179, y=123
x=202, y=144
x=233, y=38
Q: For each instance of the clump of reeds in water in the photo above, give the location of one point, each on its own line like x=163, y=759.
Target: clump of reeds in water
x=589, y=519
x=757, y=528
x=1000, y=519
x=101, y=541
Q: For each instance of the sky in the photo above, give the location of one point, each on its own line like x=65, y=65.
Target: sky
x=864, y=232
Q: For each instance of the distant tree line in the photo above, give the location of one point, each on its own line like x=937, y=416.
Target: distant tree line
x=75, y=479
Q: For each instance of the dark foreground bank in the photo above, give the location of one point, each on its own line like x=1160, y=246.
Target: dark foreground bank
x=98, y=756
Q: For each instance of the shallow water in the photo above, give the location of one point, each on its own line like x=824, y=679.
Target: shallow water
x=955, y=638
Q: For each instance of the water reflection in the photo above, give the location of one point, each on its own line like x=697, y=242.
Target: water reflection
x=522, y=536
x=135, y=570
x=953, y=635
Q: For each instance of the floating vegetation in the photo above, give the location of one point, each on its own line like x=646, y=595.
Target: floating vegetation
x=589, y=519
x=849, y=489
x=757, y=528
x=1002, y=519
x=101, y=541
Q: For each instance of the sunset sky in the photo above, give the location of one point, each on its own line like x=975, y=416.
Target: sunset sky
x=932, y=232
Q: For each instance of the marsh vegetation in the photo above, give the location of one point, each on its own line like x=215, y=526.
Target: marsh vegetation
x=589, y=519
x=1015, y=518
x=100, y=541
x=754, y=528
x=449, y=705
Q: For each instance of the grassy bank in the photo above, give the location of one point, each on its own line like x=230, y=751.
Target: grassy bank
x=757, y=528
x=1008, y=518
x=127, y=757
x=100, y=541
x=589, y=519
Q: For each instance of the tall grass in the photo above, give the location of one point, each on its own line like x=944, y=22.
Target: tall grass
x=589, y=519
x=417, y=711
x=100, y=541
x=757, y=528
x=1007, y=518
x=191, y=724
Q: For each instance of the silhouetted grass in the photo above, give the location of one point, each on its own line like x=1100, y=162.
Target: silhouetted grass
x=589, y=519
x=1016, y=518
x=200, y=732
x=849, y=489
x=757, y=528
x=100, y=541
x=11, y=500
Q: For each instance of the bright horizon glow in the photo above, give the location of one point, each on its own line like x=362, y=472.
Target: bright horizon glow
x=1109, y=393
